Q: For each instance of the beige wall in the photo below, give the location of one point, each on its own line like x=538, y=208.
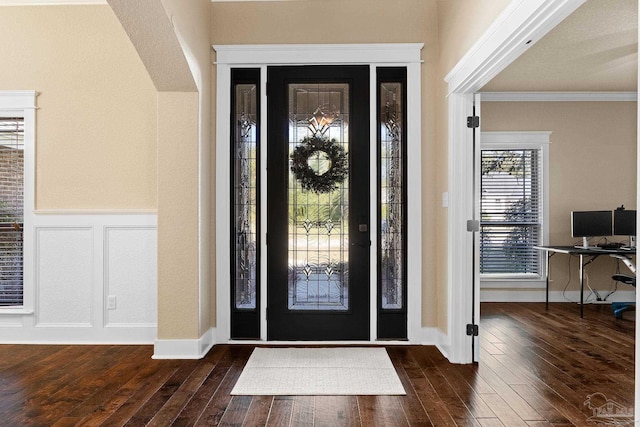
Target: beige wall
x=178, y=293
x=172, y=39
x=327, y=21
x=96, y=138
x=191, y=21
x=592, y=165
x=461, y=23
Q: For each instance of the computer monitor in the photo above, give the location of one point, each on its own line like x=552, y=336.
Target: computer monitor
x=587, y=224
x=624, y=224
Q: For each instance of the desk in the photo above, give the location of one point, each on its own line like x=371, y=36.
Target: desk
x=590, y=254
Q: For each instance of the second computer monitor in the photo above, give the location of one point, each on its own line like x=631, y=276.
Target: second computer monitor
x=591, y=224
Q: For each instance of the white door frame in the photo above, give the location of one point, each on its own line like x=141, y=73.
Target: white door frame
x=262, y=56
x=519, y=26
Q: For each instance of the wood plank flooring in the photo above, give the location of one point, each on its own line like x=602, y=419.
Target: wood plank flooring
x=537, y=368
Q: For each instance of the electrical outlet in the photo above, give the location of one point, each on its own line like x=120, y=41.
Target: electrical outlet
x=111, y=302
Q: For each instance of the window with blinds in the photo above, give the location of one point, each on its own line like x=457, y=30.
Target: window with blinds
x=511, y=212
x=11, y=210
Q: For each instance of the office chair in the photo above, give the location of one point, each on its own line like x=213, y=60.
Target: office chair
x=621, y=307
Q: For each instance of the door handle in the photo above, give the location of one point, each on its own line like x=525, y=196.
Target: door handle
x=362, y=245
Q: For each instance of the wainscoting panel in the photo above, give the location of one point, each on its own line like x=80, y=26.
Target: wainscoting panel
x=93, y=278
x=64, y=273
x=130, y=276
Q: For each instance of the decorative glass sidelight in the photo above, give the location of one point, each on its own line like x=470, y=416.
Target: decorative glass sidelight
x=392, y=254
x=318, y=197
x=245, y=193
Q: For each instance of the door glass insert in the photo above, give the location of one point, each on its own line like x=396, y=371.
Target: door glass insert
x=318, y=197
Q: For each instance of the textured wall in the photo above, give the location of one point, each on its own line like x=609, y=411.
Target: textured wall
x=96, y=138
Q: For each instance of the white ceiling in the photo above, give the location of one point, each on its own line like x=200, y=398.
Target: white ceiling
x=594, y=49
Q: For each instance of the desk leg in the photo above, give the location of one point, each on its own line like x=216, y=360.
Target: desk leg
x=581, y=286
x=548, y=273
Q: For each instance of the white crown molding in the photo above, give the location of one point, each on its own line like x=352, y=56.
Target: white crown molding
x=559, y=96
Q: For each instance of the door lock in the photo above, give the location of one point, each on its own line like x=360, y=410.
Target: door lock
x=363, y=228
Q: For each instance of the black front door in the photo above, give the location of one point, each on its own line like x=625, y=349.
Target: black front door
x=318, y=207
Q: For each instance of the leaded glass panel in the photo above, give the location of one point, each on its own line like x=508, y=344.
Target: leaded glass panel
x=392, y=233
x=245, y=194
x=318, y=242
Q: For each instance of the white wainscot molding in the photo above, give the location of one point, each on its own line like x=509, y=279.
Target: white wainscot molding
x=94, y=281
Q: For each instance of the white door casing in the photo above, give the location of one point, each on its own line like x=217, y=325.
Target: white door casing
x=262, y=56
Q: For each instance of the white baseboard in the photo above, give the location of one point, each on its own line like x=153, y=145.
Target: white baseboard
x=184, y=349
x=15, y=333
x=445, y=349
x=538, y=295
x=198, y=348
x=435, y=336
x=430, y=336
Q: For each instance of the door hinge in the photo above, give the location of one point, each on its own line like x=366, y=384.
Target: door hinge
x=472, y=330
x=473, y=122
x=473, y=225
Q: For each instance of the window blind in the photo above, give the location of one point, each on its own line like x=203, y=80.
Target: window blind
x=11, y=210
x=511, y=211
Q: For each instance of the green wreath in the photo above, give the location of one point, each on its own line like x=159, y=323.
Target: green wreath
x=315, y=180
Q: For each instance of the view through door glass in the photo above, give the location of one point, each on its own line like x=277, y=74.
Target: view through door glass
x=318, y=203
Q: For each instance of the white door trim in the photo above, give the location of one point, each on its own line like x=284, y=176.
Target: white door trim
x=518, y=27
x=262, y=56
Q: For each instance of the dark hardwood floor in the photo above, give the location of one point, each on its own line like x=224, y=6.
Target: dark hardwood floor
x=537, y=369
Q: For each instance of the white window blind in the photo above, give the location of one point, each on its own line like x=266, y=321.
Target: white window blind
x=511, y=211
x=11, y=210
